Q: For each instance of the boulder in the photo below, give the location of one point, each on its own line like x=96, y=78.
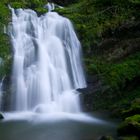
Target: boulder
x=130, y=126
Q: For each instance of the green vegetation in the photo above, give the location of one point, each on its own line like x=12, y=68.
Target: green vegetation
x=93, y=17
x=117, y=74
x=4, y=40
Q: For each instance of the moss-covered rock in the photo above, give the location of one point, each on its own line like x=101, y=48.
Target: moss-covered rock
x=130, y=126
x=128, y=138
x=133, y=110
x=41, y=10
x=17, y=5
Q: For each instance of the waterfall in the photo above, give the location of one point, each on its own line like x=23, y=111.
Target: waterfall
x=1, y=83
x=0, y=95
x=47, y=66
x=1, y=92
x=50, y=6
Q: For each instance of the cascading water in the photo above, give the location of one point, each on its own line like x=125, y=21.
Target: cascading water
x=47, y=66
x=0, y=95
x=1, y=92
x=1, y=83
x=50, y=6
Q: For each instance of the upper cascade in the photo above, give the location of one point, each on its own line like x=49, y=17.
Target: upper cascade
x=47, y=67
x=50, y=6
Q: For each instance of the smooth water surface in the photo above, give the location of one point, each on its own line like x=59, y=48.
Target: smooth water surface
x=54, y=127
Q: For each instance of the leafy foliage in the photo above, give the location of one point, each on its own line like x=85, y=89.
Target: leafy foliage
x=116, y=75
x=93, y=17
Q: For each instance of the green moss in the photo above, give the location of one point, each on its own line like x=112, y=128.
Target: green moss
x=4, y=40
x=130, y=126
x=133, y=110
x=129, y=138
x=41, y=10
x=135, y=118
x=4, y=14
x=115, y=75
x=17, y=5
x=36, y=3
x=118, y=74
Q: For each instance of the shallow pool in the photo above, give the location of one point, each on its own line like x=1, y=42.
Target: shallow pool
x=31, y=126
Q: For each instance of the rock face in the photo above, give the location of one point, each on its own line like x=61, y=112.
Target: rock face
x=120, y=42
x=1, y=116
x=93, y=86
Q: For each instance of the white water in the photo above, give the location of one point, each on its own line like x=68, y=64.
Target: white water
x=1, y=92
x=0, y=95
x=50, y=6
x=47, y=66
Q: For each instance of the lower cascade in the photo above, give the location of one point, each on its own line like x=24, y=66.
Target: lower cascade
x=47, y=67
x=1, y=95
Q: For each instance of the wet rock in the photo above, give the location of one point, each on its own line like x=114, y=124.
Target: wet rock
x=94, y=85
x=1, y=116
x=106, y=138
